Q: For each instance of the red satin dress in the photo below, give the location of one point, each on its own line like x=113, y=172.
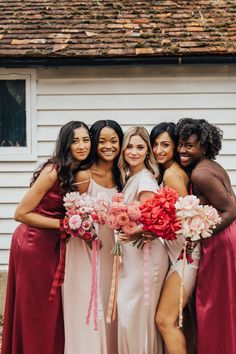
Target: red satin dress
x=216, y=293
x=33, y=324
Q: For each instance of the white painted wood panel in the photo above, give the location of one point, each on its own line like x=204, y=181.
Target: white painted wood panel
x=11, y=179
x=5, y=242
x=11, y=195
x=7, y=210
x=7, y=226
x=154, y=101
x=4, y=257
x=135, y=116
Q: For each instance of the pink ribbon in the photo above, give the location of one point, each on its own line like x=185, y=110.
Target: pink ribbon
x=93, y=301
x=146, y=274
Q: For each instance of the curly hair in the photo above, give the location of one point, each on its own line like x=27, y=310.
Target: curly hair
x=209, y=136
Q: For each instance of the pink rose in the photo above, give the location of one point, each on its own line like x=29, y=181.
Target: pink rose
x=130, y=228
x=122, y=219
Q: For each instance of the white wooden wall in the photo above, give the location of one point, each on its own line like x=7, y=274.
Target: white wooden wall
x=130, y=95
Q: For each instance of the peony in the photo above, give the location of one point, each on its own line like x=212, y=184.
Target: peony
x=74, y=222
x=187, y=206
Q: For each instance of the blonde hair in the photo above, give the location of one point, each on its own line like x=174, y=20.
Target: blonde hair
x=150, y=161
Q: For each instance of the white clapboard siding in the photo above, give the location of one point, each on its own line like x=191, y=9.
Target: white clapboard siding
x=135, y=116
x=141, y=95
x=11, y=194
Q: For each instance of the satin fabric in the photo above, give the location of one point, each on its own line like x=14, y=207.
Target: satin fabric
x=216, y=294
x=32, y=324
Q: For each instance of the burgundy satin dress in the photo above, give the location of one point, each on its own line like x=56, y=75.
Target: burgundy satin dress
x=216, y=291
x=33, y=324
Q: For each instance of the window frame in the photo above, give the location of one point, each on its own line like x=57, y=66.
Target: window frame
x=28, y=152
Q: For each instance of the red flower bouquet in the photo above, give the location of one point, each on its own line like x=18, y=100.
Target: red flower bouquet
x=158, y=216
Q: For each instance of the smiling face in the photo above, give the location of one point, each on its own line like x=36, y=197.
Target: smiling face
x=135, y=153
x=108, y=144
x=190, y=151
x=81, y=144
x=163, y=149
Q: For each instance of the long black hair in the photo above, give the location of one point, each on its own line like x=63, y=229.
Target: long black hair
x=62, y=159
x=95, y=130
x=165, y=127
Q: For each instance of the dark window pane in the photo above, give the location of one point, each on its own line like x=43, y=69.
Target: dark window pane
x=12, y=113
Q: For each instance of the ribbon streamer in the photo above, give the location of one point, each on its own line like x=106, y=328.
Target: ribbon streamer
x=181, y=296
x=146, y=274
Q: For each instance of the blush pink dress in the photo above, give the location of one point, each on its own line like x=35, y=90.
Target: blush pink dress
x=81, y=338
x=137, y=331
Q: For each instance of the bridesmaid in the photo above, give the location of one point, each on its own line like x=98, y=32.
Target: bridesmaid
x=102, y=178
x=136, y=320
x=33, y=324
x=164, y=144
x=199, y=144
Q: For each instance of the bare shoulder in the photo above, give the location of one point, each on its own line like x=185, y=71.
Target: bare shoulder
x=176, y=171
x=49, y=172
x=82, y=176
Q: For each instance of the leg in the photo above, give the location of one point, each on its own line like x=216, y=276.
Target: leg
x=167, y=314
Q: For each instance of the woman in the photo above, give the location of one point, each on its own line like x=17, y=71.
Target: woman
x=101, y=179
x=32, y=323
x=199, y=144
x=136, y=320
x=164, y=144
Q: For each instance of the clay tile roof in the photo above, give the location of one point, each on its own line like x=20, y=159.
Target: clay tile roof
x=110, y=28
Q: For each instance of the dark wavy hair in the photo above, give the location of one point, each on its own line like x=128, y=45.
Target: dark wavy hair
x=209, y=136
x=165, y=127
x=62, y=159
x=95, y=133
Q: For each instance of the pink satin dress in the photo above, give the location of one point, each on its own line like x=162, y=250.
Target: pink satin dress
x=32, y=324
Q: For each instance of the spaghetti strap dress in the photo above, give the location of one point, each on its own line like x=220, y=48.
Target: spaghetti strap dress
x=81, y=338
x=137, y=331
x=174, y=249
x=33, y=324
x=216, y=287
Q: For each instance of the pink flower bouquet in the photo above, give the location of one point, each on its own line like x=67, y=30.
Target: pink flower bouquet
x=124, y=218
x=197, y=221
x=83, y=214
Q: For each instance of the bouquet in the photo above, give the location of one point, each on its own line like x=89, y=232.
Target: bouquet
x=197, y=221
x=124, y=218
x=158, y=216
x=83, y=216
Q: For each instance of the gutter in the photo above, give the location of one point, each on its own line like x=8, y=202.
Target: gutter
x=105, y=61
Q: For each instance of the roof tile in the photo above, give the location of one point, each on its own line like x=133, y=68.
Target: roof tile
x=97, y=28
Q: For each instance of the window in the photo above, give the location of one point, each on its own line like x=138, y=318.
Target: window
x=17, y=115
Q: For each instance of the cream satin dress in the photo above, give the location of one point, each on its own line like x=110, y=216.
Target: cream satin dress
x=79, y=337
x=137, y=331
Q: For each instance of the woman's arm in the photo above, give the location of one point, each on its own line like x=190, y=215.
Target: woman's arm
x=213, y=191
x=24, y=211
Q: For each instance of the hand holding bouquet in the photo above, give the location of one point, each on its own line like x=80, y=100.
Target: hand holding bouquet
x=83, y=215
x=197, y=221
